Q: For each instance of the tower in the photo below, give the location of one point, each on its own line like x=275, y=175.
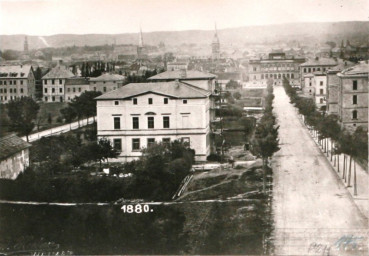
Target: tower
x=25, y=47
x=140, y=46
x=215, y=46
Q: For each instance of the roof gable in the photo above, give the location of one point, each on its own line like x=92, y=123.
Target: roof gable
x=11, y=144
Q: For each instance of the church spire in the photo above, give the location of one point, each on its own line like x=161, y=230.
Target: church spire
x=140, y=39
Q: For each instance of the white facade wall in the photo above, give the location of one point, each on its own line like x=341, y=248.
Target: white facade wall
x=12, y=166
x=189, y=120
x=12, y=88
x=53, y=90
x=320, y=85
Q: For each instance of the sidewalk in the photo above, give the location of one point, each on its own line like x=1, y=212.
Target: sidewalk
x=361, y=197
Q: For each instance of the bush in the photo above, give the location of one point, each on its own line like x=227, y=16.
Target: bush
x=214, y=158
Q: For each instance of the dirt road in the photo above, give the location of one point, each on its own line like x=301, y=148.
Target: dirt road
x=314, y=214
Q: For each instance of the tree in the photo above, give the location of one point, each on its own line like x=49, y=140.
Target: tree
x=232, y=85
x=101, y=151
x=22, y=112
x=237, y=95
x=68, y=113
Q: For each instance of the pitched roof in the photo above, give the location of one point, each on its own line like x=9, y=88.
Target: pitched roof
x=58, y=72
x=320, y=62
x=172, y=89
x=108, y=77
x=360, y=69
x=179, y=74
x=340, y=67
x=17, y=71
x=11, y=144
x=76, y=81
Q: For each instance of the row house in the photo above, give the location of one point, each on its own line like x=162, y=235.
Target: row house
x=314, y=65
x=353, y=97
x=15, y=82
x=75, y=86
x=107, y=82
x=276, y=67
x=139, y=114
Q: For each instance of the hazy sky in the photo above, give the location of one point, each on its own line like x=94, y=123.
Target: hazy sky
x=47, y=17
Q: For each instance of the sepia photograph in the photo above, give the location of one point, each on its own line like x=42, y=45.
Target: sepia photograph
x=184, y=127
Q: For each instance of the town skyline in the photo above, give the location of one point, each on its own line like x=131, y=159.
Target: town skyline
x=62, y=16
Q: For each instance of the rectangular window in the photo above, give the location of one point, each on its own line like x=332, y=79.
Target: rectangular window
x=134, y=101
x=21, y=82
x=1, y=82
x=116, y=102
x=166, y=141
x=116, y=123
x=1, y=90
x=354, y=85
x=150, y=142
x=79, y=89
x=5, y=91
x=321, y=91
x=354, y=99
x=61, y=90
x=45, y=81
x=53, y=98
x=15, y=90
x=135, y=144
x=184, y=101
x=11, y=82
x=21, y=90
x=61, y=98
x=321, y=83
x=165, y=100
x=150, y=101
x=4, y=82
x=53, y=90
x=60, y=81
x=166, y=122
x=11, y=90
x=104, y=89
x=117, y=144
x=136, y=123
x=53, y=81
x=150, y=122
x=68, y=89
x=74, y=89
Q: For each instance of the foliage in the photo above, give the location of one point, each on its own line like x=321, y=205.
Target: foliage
x=22, y=112
x=237, y=95
x=232, y=85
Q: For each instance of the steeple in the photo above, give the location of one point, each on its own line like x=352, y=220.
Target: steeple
x=215, y=45
x=140, y=39
x=25, y=47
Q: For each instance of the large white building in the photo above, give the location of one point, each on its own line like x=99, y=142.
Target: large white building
x=139, y=114
x=16, y=82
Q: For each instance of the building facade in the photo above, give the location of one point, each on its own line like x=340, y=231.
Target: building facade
x=333, y=87
x=276, y=68
x=320, y=88
x=16, y=82
x=315, y=65
x=53, y=84
x=75, y=86
x=14, y=156
x=139, y=114
x=106, y=82
x=353, y=97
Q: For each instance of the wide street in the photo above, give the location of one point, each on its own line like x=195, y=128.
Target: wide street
x=314, y=213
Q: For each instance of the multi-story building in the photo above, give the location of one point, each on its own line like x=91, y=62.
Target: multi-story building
x=16, y=82
x=176, y=65
x=277, y=66
x=14, y=156
x=53, y=84
x=320, y=88
x=75, y=86
x=107, y=82
x=139, y=114
x=353, y=97
x=315, y=65
x=332, y=87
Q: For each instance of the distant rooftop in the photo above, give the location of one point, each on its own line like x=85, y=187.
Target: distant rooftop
x=320, y=62
x=58, y=72
x=108, y=77
x=181, y=74
x=10, y=145
x=172, y=89
x=76, y=81
x=15, y=71
x=358, y=70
